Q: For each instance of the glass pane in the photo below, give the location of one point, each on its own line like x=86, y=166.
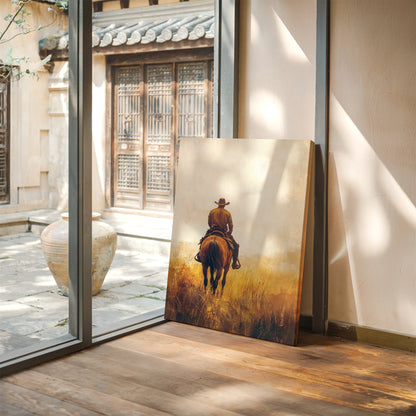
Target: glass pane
x=33, y=186
x=135, y=248
x=143, y=103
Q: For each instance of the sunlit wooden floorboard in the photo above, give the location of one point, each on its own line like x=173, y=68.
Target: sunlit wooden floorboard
x=184, y=370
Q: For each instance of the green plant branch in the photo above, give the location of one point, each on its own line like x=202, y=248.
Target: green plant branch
x=32, y=30
x=11, y=67
x=19, y=9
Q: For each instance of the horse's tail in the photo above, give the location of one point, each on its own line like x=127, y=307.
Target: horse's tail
x=214, y=256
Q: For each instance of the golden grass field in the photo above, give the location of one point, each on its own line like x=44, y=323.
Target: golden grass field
x=256, y=302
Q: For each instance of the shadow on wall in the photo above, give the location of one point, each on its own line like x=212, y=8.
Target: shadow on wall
x=277, y=98
x=373, y=163
x=379, y=220
x=339, y=267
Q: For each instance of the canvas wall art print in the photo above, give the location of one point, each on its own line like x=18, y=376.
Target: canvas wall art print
x=238, y=236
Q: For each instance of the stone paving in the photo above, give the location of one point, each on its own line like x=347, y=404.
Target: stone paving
x=31, y=308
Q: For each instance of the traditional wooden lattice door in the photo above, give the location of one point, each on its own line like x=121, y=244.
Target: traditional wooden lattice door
x=159, y=144
x=155, y=106
x=128, y=138
x=4, y=145
x=192, y=100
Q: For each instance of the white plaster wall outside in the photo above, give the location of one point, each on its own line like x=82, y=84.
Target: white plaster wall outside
x=29, y=119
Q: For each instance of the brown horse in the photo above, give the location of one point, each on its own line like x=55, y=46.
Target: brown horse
x=215, y=254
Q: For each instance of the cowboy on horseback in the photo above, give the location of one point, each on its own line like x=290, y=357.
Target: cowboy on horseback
x=221, y=223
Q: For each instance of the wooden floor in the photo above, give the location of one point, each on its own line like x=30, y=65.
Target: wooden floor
x=183, y=370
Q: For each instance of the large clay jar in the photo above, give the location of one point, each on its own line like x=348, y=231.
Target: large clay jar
x=54, y=240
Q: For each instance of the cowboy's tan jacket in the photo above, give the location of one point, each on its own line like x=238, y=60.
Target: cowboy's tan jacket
x=221, y=218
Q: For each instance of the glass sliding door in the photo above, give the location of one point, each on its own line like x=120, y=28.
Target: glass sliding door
x=127, y=165
x=44, y=157
x=154, y=105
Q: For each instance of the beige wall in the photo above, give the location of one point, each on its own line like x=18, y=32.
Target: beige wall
x=99, y=155
x=372, y=164
x=277, y=69
x=58, y=136
x=277, y=82
x=372, y=159
x=29, y=120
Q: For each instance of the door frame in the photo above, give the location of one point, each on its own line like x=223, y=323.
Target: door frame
x=148, y=58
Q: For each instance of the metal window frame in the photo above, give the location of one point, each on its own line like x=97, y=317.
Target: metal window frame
x=79, y=204
x=79, y=181
x=80, y=186
x=320, y=254
x=225, y=105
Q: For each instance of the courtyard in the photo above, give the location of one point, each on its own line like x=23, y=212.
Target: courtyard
x=33, y=309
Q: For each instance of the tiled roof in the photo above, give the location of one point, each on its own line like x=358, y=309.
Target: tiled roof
x=144, y=26
x=160, y=31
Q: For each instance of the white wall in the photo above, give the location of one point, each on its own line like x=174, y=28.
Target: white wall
x=277, y=69
x=372, y=164
x=277, y=83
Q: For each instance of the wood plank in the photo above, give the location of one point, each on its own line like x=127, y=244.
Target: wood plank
x=183, y=380
x=316, y=351
x=124, y=362
x=309, y=344
x=97, y=376
x=31, y=402
x=319, y=384
x=260, y=361
x=235, y=395
x=87, y=398
x=8, y=410
x=189, y=371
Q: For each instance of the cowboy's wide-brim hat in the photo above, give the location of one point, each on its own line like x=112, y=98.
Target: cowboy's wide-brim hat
x=221, y=202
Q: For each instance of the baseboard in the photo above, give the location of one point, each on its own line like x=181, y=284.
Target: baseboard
x=371, y=336
x=363, y=334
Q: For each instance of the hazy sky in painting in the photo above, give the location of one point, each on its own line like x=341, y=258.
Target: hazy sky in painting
x=264, y=180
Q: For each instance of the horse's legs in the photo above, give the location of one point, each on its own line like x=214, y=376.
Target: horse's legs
x=224, y=278
x=217, y=279
x=204, y=271
x=212, y=280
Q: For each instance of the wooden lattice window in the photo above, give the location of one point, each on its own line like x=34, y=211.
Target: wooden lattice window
x=128, y=137
x=155, y=105
x=4, y=144
x=192, y=100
